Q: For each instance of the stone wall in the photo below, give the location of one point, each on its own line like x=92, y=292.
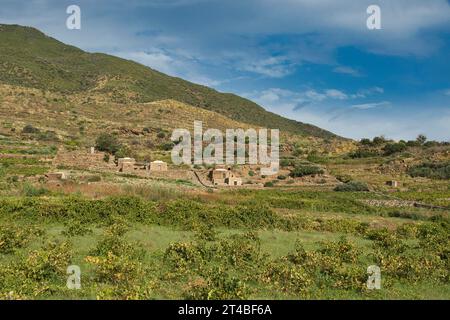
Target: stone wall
x=83, y=160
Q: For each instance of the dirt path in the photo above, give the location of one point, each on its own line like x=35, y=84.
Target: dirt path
x=201, y=182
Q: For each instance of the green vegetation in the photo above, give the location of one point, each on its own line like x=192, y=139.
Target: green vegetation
x=363, y=153
x=431, y=170
x=352, y=186
x=107, y=142
x=392, y=148
x=300, y=171
x=380, y=146
x=129, y=248
x=32, y=191
x=30, y=129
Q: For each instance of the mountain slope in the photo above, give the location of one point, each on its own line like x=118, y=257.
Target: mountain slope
x=30, y=58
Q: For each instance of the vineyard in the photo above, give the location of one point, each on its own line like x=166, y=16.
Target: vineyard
x=265, y=245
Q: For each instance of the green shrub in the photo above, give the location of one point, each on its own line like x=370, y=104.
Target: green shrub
x=118, y=262
x=205, y=232
x=300, y=171
x=108, y=143
x=288, y=276
x=94, y=178
x=167, y=146
x=431, y=170
x=30, y=129
x=13, y=237
x=286, y=163
x=122, y=152
x=392, y=148
x=352, y=186
x=333, y=264
x=344, y=178
x=32, y=191
x=241, y=250
x=76, y=228
x=47, y=262
x=252, y=215
x=316, y=158
x=219, y=285
x=182, y=256
x=12, y=179
x=115, y=269
x=345, y=250
x=379, y=140
x=363, y=153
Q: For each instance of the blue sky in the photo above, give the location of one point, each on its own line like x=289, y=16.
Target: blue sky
x=310, y=60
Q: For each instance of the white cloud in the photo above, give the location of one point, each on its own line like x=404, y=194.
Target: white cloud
x=360, y=120
x=275, y=97
x=270, y=96
x=373, y=105
x=363, y=93
x=171, y=64
x=347, y=70
x=273, y=67
x=336, y=94
x=157, y=60
x=314, y=95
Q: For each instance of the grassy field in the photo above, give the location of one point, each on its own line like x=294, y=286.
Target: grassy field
x=242, y=247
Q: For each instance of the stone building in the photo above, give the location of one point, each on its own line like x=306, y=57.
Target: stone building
x=225, y=177
x=54, y=176
x=219, y=176
x=158, y=166
x=126, y=164
x=392, y=183
x=232, y=180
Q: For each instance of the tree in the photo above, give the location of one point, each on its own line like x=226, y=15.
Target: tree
x=392, y=148
x=379, y=140
x=108, y=143
x=421, y=139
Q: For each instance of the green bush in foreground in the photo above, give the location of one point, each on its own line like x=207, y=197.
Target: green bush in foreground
x=233, y=266
x=13, y=237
